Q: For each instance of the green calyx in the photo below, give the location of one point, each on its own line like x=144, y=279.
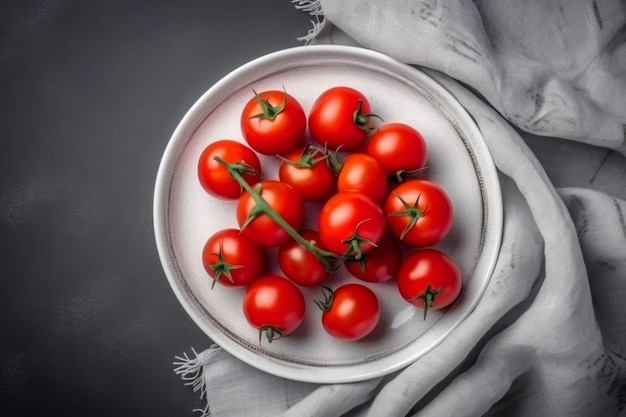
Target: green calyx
x=428, y=296
x=269, y=112
x=402, y=175
x=360, y=119
x=309, y=157
x=329, y=297
x=334, y=161
x=360, y=262
x=222, y=268
x=271, y=333
x=355, y=242
x=411, y=211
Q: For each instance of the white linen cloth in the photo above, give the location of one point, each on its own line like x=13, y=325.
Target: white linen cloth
x=545, y=82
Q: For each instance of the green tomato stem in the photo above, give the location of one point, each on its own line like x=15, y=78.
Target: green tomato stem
x=269, y=112
x=428, y=296
x=329, y=297
x=222, y=268
x=328, y=259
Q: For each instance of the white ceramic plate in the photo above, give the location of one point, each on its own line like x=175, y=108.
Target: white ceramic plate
x=185, y=216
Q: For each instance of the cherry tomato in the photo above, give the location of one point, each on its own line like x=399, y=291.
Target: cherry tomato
x=419, y=212
x=380, y=264
x=400, y=148
x=299, y=264
x=259, y=227
x=232, y=259
x=274, y=305
x=429, y=279
x=273, y=122
x=351, y=223
x=361, y=172
x=305, y=169
x=340, y=118
x=214, y=177
x=351, y=312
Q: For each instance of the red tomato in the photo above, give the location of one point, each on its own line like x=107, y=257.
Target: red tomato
x=339, y=118
x=273, y=122
x=361, y=172
x=259, y=227
x=232, y=259
x=380, y=264
x=305, y=169
x=350, y=312
x=419, y=212
x=299, y=264
x=214, y=177
x=351, y=223
x=429, y=279
x=398, y=147
x=274, y=305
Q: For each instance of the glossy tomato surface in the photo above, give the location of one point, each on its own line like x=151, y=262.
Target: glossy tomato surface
x=339, y=119
x=231, y=259
x=361, y=172
x=299, y=264
x=351, y=223
x=419, y=212
x=306, y=170
x=260, y=227
x=214, y=177
x=429, y=279
x=380, y=264
x=400, y=148
x=274, y=305
x=352, y=313
x=273, y=122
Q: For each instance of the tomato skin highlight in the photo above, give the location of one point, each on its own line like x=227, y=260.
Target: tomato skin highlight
x=246, y=260
x=429, y=270
x=214, y=177
x=353, y=314
x=314, y=183
x=347, y=214
x=299, y=264
x=380, y=264
x=430, y=204
x=372, y=210
x=361, y=172
x=262, y=230
x=398, y=147
x=278, y=135
x=331, y=119
x=272, y=301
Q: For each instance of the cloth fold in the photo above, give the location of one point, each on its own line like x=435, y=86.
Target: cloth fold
x=545, y=82
x=553, y=67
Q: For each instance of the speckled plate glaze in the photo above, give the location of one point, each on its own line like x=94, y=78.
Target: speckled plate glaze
x=185, y=216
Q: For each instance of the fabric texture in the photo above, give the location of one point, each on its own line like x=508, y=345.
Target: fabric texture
x=545, y=82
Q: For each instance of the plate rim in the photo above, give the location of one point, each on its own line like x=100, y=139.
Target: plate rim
x=190, y=122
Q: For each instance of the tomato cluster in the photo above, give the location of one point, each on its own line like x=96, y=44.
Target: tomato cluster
x=378, y=215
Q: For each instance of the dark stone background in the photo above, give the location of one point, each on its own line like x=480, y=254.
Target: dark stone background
x=91, y=92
